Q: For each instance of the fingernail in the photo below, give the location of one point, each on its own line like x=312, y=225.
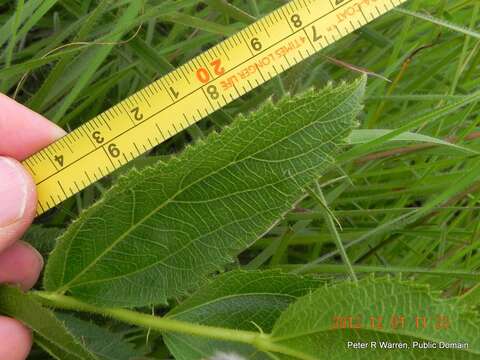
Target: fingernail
x=57, y=132
x=34, y=251
x=13, y=192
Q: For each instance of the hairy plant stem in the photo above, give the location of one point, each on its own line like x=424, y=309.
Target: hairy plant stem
x=261, y=341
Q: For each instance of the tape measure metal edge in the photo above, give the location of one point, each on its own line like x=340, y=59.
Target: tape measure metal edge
x=194, y=90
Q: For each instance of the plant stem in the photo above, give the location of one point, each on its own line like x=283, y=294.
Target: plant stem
x=261, y=341
x=148, y=321
x=329, y=220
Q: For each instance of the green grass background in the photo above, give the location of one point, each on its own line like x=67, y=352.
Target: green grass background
x=403, y=207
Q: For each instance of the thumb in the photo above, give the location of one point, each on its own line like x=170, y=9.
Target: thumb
x=18, y=201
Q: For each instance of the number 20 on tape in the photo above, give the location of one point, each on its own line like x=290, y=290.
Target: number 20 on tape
x=194, y=90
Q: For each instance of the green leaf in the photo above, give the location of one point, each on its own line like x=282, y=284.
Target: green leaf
x=97, y=55
x=49, y=332
x=200, y=24
x=52, y=81
x=32, y=12
x=106, y=345
x=160, y=231
x=441, y=22
x=362, y=136
x=308, y=326
x=424, y=118
x=238, y=300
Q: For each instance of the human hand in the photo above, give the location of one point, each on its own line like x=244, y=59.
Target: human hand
x=22, y=133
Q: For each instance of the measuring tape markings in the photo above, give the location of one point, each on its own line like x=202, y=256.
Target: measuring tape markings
x=194, y=90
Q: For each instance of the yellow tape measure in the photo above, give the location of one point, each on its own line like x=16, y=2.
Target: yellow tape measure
x=206, y=83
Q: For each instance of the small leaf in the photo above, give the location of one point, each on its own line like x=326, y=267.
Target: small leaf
x=309, y=326
x=106, y=345
x=49, y=332
x=159, y=232
x=242, y=300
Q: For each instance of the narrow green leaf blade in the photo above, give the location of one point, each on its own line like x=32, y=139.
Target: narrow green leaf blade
x=321, y=324
x=49, y=332
x=441, y=22
x=244, y=300
x=362, y=136
x=160, y=231
x=97, y=55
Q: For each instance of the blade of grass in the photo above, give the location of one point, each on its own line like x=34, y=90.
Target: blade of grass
x=317, y=194
x=100, y=53
x=440, y=22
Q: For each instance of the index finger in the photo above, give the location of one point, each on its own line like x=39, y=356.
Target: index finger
x=22, y=131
